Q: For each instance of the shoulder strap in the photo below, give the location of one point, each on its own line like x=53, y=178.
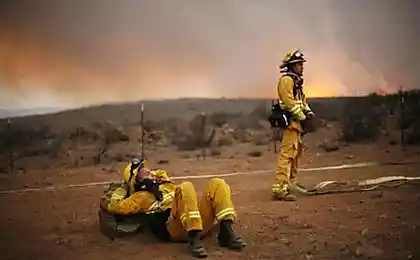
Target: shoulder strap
x=132, y=168
x=295, y=88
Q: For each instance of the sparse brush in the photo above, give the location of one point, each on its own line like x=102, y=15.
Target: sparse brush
x=56, y=146
x=221, y=118
x=362, y=121
x=261, y=138
x=215, y=152
x=410, y=118
x=101, y=152
x=163, y=161
x=255, y=154
x=17, y=136
x=197, y=135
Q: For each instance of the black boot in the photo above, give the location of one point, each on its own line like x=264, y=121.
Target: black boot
x=227, y=238
x=194, y=244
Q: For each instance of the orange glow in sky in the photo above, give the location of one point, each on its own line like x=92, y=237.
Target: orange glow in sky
x=321, y=91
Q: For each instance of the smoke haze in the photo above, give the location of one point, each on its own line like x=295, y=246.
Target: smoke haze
x=75, y=52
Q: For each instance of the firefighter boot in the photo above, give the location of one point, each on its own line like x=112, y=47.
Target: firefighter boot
x=285, y=197
x=282, y=192
x=194, y=244
x=227, y=238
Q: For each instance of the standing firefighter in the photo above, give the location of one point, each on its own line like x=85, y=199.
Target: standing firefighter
x=295, y=119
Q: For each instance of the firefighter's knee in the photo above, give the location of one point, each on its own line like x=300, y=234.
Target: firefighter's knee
x=186, y=187
x=217, y=182
x=284, y=163
x=216, y=185
x=287, y=152
x=186, y=192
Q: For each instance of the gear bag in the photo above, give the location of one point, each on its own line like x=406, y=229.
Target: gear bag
x=113, y=226
x=279, y=118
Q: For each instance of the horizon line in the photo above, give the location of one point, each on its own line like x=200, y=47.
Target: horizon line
x=180, y=98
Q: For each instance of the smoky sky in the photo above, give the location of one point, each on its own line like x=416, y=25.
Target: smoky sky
x=77, y=52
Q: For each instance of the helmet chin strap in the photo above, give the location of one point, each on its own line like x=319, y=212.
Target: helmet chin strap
x=298, y=79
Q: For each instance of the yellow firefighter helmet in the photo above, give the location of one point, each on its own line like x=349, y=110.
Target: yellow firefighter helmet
x=131, y=170
x=293, y=56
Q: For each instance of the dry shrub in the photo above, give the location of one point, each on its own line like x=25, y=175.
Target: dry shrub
x=255, y=154
x=328, y=110
x=363, y=119
x=24, y=142
x=413, y=133
x=330, y=145
x=261, y=138
x=173, y=126
x=157, y=138
x=242, y=135
x=215, y=152
x=256, y=119
x=84, y=134
x=101, y=152
x=411, y=117
x=260, y=112
x=97, y=125
x=224, y=136
x=56, y=146
x=221, y=118
x=17, y=136
x=195, y=136
x=115, y=135
x=163, y=161
x=225, y=140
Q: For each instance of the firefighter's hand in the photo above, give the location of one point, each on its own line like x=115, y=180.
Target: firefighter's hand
x=308, y=124
x=145, y=173
x=309, y=114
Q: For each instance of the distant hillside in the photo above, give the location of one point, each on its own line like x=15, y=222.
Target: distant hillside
x=6, y=113
x=129, y=113
x=177, y=123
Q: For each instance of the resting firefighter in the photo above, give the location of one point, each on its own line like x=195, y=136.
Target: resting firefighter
x=295, y=117
x=173, y=212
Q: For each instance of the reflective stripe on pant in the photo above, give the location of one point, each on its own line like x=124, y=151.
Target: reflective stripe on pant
x=214, y=206
x=287, y=164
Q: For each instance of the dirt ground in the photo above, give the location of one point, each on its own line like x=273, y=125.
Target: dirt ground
x=381, y=224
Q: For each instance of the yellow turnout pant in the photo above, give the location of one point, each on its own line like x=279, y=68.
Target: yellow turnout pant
x=189, y=214
x=288, y=162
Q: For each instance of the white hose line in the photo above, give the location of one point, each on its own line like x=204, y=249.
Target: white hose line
x=322, y=184
x=369, y=182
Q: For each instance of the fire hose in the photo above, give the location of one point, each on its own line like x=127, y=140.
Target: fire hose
x=323, y=188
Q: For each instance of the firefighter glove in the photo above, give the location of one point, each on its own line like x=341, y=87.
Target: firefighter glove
x=308, y=124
